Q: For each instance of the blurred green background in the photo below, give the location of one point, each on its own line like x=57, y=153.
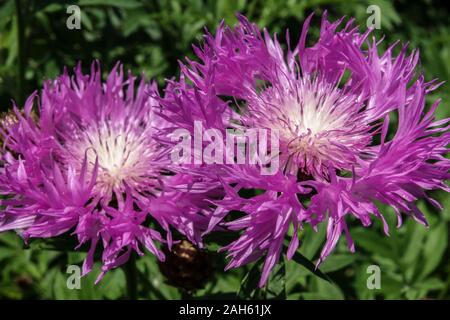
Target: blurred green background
x=149, y=37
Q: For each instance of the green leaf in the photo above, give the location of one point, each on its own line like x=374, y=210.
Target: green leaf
x=113, y=287
x=249, y=285
x=414, y=245
x=153, y=281
x=126, y=4
x=11, y=239
x=434, y=248
x=276, y=285
x=310, y=266
x=312, y=241
x=322, y=290
x=336, y=262
x=391, y=286
x=430, y=284
x=328, y=290
x=372, y=242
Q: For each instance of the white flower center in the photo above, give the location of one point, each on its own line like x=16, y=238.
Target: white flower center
x=123, y=156
x=318, y=123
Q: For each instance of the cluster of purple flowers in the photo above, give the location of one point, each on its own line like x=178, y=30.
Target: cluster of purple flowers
x=93, y=158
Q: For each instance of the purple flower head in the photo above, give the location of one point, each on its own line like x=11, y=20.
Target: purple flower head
x=88, y=161
x=331, y=103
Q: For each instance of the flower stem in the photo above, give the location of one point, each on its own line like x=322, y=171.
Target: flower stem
x=131, y=277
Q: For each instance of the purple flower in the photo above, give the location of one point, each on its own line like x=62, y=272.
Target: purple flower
x=331, y=103
x=89, y=161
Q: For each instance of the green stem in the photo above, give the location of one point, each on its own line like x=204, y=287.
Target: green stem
x=21, y=53
x=131, y=277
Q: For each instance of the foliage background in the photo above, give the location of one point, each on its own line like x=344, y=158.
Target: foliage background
x=149, y=37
